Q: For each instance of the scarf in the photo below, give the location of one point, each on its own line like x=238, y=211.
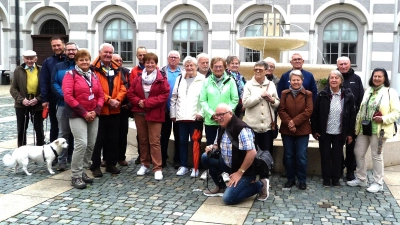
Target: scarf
x=295, y=92
x=148, y=79
x=83, y=73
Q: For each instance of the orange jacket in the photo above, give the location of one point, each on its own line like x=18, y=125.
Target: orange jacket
x=118, y=91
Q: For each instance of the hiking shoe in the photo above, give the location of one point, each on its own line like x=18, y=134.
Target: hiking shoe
x=264, y=193
x=375, y=187
x=97, y=172
x=225, y=177
x=302, y=186
x=204, y=175
x=86, y=178
x=62, y=167
x=112, y=169
x=142, y=171
x=357, y=182
x=182, y=171
x=195, y=173
x=216, y=192
x=78, y=183
x=158, y=175
x=137, y=161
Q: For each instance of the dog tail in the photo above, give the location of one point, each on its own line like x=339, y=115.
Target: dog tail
x=8, y=160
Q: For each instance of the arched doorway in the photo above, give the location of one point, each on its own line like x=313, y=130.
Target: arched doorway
x=41, y=42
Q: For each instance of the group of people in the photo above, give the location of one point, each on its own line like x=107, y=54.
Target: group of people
x=90, y=102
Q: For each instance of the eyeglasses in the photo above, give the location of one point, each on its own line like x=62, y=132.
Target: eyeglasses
x=218, y=67
x=258, y=70
x=219, y=115
x=71, y=50
x=297, y=59
x=173, y=57
x=118, y=60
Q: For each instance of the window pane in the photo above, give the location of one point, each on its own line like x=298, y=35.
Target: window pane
x=252, y=55
x=119, y=33
x=52, y=27
x=188, y=32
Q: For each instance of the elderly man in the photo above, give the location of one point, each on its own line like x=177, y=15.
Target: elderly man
x=26, y=93
x=235, y=144
x=352, y=81
x=309, y=84
x=172, y=71
x=109, y=75
x=57, y=77
x=203, y=63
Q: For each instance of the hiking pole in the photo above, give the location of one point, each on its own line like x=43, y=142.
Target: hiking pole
x=24, y=129
x=33, y=127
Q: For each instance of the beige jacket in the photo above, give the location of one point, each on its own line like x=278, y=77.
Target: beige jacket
x=257, y=114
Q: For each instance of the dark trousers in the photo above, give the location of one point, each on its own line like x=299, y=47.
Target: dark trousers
x=107, y=139
x=165, y=134
x=53, y=120
x=23, y=117
x=123, y=133
x=211, y=133
x=350, y=161
x=331, y=149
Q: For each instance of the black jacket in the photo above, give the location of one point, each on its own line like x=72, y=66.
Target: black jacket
x=353, y=81
x=319, y=118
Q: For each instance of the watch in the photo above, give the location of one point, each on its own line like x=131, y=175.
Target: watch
x=242, y=170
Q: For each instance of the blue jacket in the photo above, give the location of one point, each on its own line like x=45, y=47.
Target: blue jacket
x=45, y=77
x=57, y=77
x=308, y=83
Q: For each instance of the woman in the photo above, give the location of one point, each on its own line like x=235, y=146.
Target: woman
x=26, y=93
x=379, y=109
x=269, y=73
x=332, y=125
x=295, y=111
x=84, y=98
x=233, y=64
x=260, y=101
x=148, y=95
x=186, y=110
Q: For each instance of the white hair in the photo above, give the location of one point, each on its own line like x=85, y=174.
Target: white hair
x=174, y=52
x=270, y=60
x=106, y=45
x=189, y=59
x=202, y=55
x=225, y=106
x=343, y=58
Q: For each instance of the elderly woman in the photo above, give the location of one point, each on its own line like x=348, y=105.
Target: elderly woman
x=260, y=101
x=379, y=109
x=26, y=93
x=148, y=95
x=186, y=109
x=332, y=125
x=295, y=111
x=84, y=98
x=233, y=64
x=269, y=73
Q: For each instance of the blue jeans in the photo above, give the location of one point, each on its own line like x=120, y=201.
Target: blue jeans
x=295, y=148
x=186, y=130
x=246, y=187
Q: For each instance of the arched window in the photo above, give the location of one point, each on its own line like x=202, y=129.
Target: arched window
x=340, y=39
x=187, y=38
x=120, y=34
x=52, y=27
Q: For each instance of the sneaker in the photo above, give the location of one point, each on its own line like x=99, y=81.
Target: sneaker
x=264, y=193
x=204, y=175
x=195, y=173
x=225, y=177
x=137, y=161
x=142, y=171
x=86, y=178
x=326, y=183
x=62, y=167
x=78, y=183
x=356, y=182
x=97, y=172
x=182, y=171
x=158, y=175
x=375, y=187
x=216, y=192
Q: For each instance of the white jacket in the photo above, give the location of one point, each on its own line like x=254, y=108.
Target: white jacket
x=257, y=114
x=186, y=107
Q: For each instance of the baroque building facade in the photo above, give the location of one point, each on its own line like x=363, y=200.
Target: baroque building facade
x=364, y=30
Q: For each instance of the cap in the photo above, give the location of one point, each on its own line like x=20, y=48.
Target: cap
x=29, y=53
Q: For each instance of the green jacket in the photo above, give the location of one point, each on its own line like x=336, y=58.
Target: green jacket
x=212, y=95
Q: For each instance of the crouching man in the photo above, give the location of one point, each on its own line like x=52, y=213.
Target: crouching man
x=234, y=157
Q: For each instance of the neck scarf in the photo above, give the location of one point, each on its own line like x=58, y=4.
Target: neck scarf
x=148, y=79
x=83, y=73
x=295, y=92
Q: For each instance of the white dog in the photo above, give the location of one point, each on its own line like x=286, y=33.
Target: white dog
x=39, y=154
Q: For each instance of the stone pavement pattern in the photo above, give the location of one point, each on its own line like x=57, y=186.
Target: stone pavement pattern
x=130, y=199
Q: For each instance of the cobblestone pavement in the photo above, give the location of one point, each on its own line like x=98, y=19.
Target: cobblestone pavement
x=131, y=199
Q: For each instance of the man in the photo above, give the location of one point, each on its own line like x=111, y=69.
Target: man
x=309, y=84
x=172, y=71
x=237, y=162
x=107, y=139
x=137, y=71
x=125, y=113
x=26, y=93
x=352, y=81
x=57, y=77
x=49, y=99
x=203, y=64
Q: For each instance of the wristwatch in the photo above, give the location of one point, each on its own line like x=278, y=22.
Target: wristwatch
x=242, y=170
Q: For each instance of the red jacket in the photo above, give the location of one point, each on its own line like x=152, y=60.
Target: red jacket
x=76, y=95
x=154, y=105
x=136, y=71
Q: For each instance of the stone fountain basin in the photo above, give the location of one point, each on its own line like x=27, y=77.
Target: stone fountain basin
x=271, y=43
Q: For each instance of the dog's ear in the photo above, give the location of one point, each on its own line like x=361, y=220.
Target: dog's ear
x=56, y=142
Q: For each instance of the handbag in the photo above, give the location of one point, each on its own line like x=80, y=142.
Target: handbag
x=390, y=109
x=263, y=160
x=367, y=127
x=274, y=125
